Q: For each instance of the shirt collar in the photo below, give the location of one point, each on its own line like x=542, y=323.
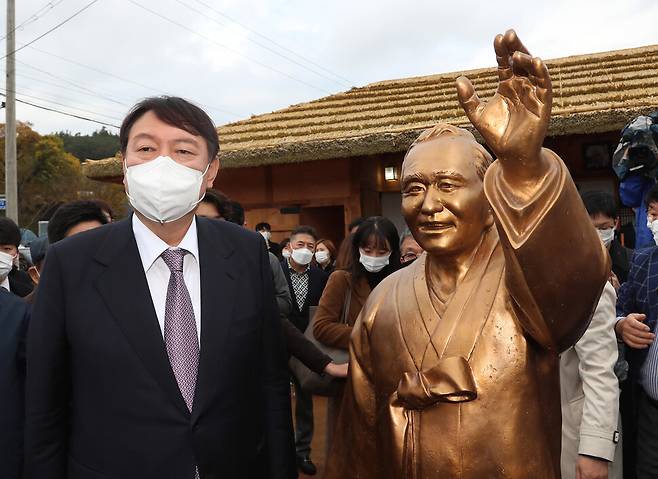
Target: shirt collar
x=5, y=283
x=150, y=245
x=294, y=271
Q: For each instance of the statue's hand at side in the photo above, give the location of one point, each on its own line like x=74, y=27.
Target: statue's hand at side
x=514, y=122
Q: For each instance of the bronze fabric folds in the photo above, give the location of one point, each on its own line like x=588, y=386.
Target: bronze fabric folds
x=451, y=380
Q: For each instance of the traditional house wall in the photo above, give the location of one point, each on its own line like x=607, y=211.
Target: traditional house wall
x=329, y=194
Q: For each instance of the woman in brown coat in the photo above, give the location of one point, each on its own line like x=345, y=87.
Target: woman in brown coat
x=375, y=253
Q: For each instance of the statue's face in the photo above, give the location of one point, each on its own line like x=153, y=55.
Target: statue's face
x=443, y=199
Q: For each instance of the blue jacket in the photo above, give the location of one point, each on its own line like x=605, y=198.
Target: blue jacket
x=14, y=315
x=632, y=192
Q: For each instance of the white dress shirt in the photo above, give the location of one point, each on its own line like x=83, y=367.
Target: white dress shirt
x=5, y=284
x=150, y=248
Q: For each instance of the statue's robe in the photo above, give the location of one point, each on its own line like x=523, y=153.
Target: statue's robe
x=471, y=390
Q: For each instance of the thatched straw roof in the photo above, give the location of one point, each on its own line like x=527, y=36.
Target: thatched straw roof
x=592, y=93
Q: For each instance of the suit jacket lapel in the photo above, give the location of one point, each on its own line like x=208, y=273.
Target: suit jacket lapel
x=217, y=262
x=124, y=288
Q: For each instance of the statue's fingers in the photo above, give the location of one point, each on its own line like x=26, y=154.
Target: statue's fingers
x=502, y=58
x=522, y=64
x=542, y=77
x=468, y=99
x=542, y=80
x=514, y=43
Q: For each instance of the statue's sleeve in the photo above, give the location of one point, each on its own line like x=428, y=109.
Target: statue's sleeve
x=354, y=453
x=556, y=265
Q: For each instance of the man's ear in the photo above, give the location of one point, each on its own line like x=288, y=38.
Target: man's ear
x=213, y=170
x=33, y=272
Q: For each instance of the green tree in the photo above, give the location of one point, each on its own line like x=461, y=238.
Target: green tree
x=100, y=144
x=46, y=173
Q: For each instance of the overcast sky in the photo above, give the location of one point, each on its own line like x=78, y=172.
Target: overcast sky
x=238, y=58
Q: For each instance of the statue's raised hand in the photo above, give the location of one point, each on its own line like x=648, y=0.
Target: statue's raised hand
x=515, y=120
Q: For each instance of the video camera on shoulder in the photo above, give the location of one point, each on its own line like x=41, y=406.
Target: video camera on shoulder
x=637, y=151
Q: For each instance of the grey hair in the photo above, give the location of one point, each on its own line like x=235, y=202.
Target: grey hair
x=405, y=235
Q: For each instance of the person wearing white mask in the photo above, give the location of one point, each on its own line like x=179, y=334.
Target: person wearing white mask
x=12, y=278
x=159, y=330
x=306, y=283
x=325, y=255
x=602, y=210
x=265, y=229
x=375, y=254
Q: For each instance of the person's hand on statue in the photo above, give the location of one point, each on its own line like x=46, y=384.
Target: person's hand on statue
x=514, y=122
x=336, y=370
x=591, y=468
x=634, y=332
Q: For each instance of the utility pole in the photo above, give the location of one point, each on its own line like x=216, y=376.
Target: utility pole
x=11, y=189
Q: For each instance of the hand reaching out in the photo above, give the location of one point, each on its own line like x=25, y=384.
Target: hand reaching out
x=514, y=122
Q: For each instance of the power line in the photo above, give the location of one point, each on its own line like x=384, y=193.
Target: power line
x=262, y=45
x=35, y=16
x=84, y=90
x=105, y=108
x=282, y=47
x=51, y=30
x=127, y=80
x=62, y=112
x=61, y=104
x=257, y=62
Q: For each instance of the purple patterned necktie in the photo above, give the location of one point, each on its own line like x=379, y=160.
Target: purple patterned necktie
x=180, y=327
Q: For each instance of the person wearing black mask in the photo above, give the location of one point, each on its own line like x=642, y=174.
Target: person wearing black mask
x=375, y=255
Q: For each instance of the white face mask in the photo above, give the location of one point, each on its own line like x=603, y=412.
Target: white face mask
x=302, y=256
x=285, y=253
x=373, y=264
x=606, y=235
x=6, y=264
x=163, y=190
x=322, y=257
x=653, y=226
x=266, y=234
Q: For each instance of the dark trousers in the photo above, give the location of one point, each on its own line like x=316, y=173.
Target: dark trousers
x=647, y=438
x=303, y=420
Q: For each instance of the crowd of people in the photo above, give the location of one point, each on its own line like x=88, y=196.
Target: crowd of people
x=144, y=347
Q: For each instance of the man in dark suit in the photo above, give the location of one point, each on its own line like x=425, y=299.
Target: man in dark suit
x=14, y=317
x=306, y=284
x=17, y=281
x=155, y=349
x=265, y=229
x=637, y=312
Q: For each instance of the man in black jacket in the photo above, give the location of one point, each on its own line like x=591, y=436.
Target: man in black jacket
x=17, y=281
x=14, y=317
x=154, y=349
x=602, y=210
x=306, y=284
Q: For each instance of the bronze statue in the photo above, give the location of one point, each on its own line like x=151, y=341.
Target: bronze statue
x=454, y=360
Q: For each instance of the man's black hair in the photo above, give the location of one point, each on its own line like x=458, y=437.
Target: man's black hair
x=652, y=195
x=220, y=201
x=176, y=112
x=600, y=202
x=304, y=230
x=236, y=214
x=355, y=223
x=9, y=232
x=263, y=226
x=105, y=206
x=71, y=214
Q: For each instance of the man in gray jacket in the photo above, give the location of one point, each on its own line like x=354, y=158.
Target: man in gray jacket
x=590, y=399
